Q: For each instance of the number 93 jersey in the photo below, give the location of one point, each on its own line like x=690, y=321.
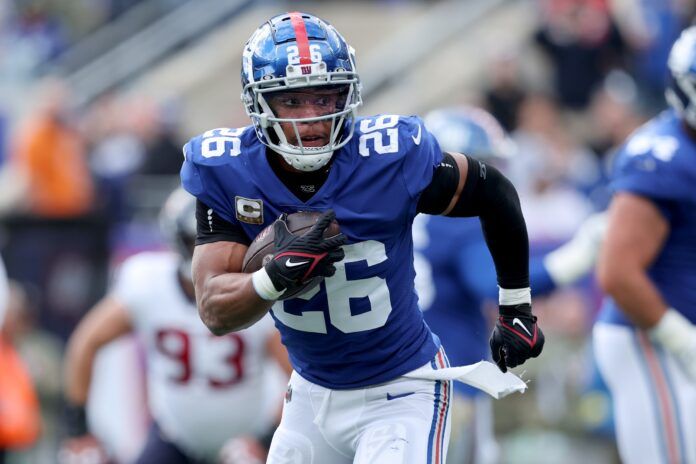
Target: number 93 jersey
x=362, y=326
x=194, y=377
x=658, y=162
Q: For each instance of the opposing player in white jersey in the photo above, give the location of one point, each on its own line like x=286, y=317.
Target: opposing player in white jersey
x=203, y=390
x=645, y=338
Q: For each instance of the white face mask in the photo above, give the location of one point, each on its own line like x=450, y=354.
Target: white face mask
x=271, y=110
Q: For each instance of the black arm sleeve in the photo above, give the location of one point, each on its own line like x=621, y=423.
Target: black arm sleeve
x=210, y=227
x=490, y=195
x=436, y=197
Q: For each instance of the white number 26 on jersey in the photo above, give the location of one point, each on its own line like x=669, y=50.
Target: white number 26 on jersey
x=375, y=130
x=217, y=142
x=339, y=291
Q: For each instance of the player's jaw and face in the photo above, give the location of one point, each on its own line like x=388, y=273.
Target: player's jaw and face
x=306, y=103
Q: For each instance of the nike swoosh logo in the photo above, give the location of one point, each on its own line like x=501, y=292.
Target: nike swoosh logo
x=518, y=322
x=291, y=263
x=416, y=138
x=401, y=395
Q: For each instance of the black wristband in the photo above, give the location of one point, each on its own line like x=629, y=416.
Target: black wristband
x=75, y=420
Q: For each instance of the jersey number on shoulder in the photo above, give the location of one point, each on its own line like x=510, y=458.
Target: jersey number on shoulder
x=375, y=130
x=175, y=345
x=339, y=291
x=662, y=147
x=217, y=142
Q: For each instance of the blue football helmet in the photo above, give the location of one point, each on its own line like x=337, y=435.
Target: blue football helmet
x=681, y=90
x=471, y=131
x=295, y=51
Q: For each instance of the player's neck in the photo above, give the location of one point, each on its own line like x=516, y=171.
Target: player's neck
x=302, y=184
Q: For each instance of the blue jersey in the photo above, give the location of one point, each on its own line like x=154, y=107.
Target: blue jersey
x=362, y=326
x=658, y=162
x=455, y=276
x=449, y=254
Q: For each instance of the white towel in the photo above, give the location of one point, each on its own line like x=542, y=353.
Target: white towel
x=483, y=375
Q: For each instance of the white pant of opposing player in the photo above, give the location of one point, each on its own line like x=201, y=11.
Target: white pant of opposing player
x=404, y=421
x=654, y=402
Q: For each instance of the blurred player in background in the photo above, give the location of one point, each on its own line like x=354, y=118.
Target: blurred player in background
x=454, y=286
x=203, y=390
x=20, y=417
x=353, y=338
x=645, y=337
x=4, y=292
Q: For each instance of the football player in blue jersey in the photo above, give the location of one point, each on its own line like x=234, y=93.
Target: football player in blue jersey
x=645, y=337
x=453, y=286
x=354, y=337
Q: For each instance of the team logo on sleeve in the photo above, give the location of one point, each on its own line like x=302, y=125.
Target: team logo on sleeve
x=249, y=210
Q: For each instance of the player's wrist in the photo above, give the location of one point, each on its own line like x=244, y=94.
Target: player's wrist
x=673, y=331
x=522, y=310
x=514, y=296
x=264, y=286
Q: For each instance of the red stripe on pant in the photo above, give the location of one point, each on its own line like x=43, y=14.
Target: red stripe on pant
x=664, y=401
x=444, y=400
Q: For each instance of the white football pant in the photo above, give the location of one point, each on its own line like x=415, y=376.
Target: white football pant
x=404, y=421
x=654, y=402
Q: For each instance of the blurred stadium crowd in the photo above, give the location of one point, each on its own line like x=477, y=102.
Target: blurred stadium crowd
x=82, y=177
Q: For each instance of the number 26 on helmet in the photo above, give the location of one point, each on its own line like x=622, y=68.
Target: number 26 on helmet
x=298, y=58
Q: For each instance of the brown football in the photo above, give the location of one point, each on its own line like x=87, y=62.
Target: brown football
x=262, y=248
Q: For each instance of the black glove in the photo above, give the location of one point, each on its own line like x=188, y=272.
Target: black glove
x=299, y=258
x=516, y=336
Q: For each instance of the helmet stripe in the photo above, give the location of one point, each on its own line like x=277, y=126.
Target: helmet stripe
x=301, y=36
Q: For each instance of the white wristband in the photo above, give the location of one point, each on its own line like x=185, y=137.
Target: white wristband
x=264, y=286
x=673, y=330
x=514, y=296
